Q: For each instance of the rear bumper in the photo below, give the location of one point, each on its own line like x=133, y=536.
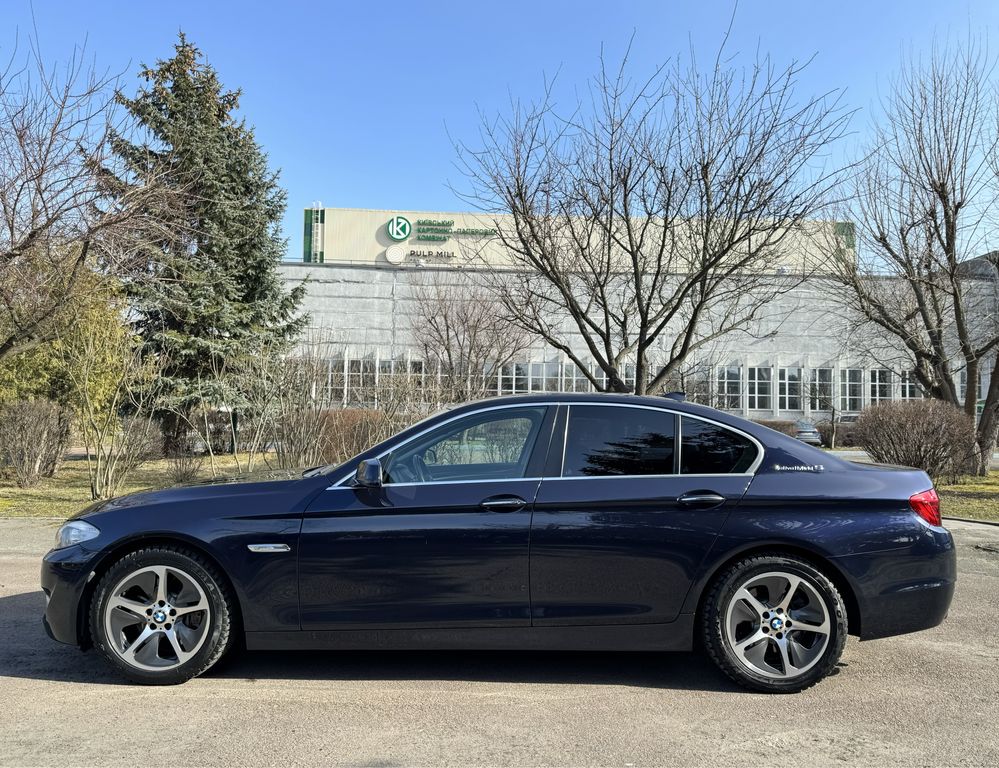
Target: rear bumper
x=905, y=590
x=64, y=580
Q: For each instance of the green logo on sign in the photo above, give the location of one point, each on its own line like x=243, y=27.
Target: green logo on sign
x=398, y=227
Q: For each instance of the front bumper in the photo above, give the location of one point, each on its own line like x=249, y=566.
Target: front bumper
x=907, y=590
x=65, y=575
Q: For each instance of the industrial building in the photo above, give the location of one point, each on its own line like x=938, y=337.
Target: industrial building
x=802, y=359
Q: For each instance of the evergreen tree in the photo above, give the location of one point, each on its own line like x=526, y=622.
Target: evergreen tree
x=210, y=292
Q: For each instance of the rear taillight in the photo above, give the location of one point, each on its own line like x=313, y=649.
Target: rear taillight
x=927, y=506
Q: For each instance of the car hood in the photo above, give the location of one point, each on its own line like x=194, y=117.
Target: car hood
x=256, y=482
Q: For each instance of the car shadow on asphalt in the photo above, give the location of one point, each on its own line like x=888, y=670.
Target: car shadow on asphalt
x=27, y=652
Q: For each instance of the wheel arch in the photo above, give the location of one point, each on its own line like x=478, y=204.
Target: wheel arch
x=134, y=544
x=824, y=563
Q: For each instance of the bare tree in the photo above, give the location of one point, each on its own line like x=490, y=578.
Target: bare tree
x=923, y=206
x=464, y=334
x=63, y=210
x=667, y=210
x=113, y=390
x=32, y=439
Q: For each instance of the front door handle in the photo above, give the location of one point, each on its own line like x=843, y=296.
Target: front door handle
x=703, y=499
x=503, y=503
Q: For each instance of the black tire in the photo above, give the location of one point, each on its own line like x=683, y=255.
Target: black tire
x=722, y=592
x=219, y=634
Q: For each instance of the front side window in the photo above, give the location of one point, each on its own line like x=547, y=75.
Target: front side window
x=604, y=441
x=496, y=444
x=710, y=449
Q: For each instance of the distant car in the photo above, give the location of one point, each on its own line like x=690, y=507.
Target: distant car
x=806, y=432
x=559, y=522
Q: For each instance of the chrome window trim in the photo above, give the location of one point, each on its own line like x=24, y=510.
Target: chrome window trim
x=455, y=482
x=680, y=414
x=429, y=429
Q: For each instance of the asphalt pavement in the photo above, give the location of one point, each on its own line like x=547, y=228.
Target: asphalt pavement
x=930, y=698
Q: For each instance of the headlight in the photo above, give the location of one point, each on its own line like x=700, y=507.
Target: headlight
x=74, y=532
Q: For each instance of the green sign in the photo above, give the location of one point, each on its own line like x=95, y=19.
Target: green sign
x=442, y=230
x=398, y=227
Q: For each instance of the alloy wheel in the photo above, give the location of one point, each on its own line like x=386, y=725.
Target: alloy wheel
x=777, y=625
x=157, y=618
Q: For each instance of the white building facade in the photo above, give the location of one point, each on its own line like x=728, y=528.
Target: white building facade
x=362, y=268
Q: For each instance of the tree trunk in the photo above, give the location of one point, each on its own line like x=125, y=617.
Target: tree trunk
x=173, y=428
x=988, y=426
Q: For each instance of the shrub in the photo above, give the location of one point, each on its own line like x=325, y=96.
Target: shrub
x=930, y=435
x=184, y=462
x=846, y=433
x=33, y=437
x=784, y=426
x=349, y=431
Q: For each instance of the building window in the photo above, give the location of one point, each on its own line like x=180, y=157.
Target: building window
x=760, y=389
x=729, y=387
x=513, y=379
x=789, y=389
x=962, y=386
x=629, y=375
x=820, y=389
x=880, y=385
x=575, y=379
x=910, y=387
x=544, y=377
x=360, y=374
x=851, y=389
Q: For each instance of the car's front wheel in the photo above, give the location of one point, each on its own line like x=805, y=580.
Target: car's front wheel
x=161, y=615
x=774, y=623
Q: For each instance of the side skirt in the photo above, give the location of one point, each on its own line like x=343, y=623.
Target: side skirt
x=675, y=636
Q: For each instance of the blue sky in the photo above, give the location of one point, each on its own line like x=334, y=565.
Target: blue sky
x=358, y=103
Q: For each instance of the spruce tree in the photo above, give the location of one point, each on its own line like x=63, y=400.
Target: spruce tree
x=210, y=292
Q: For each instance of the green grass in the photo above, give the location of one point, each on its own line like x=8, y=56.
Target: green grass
x=69, y=491
x=975, y=499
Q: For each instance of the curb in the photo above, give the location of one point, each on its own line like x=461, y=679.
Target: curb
x=977, y=522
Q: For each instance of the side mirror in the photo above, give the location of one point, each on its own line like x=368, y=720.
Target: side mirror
x=369, y=473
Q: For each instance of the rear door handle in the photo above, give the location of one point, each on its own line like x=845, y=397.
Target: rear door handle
x=503, y=503
x=701, y=499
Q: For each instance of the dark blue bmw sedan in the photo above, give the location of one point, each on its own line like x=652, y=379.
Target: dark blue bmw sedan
x=546, y=522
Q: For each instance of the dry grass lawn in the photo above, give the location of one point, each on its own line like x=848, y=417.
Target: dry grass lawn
x=69, y=491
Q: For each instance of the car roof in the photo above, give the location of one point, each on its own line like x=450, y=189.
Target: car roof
x=607, y=398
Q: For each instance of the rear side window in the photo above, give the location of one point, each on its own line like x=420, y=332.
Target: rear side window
x=709, y=449
x=605, y=441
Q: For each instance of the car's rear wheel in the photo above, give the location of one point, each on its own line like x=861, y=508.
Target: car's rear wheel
x=774, y=623
x=161, y=616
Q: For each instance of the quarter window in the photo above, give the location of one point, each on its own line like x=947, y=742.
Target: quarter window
x=710, y=449
x=611, y=441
